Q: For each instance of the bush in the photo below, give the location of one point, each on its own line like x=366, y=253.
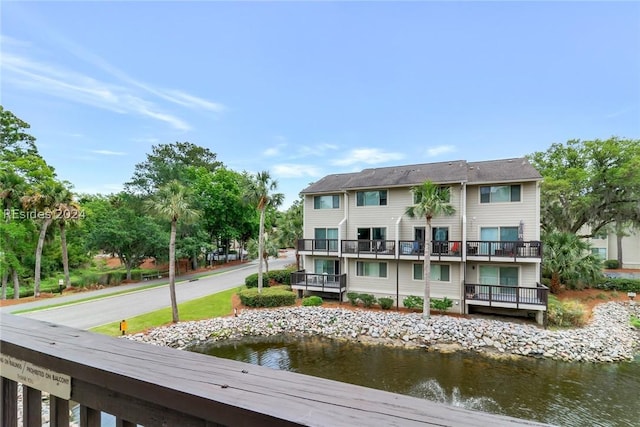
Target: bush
x=367, y=300
x=635, y=322
x=385, y=303
x=281, y=276
x=353, y=298
x=251, y=281
x=611, y=264
x=312, y=301
x=269, y=297
x=619, y=284
x=441, y=304
x=413, y=301
x=568, y=313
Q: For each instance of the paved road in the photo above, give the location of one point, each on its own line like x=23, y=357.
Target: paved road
x=85, y=315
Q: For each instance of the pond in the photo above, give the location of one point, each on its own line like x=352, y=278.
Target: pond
x=566, y=394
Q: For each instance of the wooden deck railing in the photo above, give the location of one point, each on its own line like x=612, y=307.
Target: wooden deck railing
x=158, y=386
x=369, y=247
x=516, y=295
x=322, y=246
x=336, y=283
x=505, y=249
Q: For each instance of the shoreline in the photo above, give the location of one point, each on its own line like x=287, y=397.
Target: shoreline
x=608, y=337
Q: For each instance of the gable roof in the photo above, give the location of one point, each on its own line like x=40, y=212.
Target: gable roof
x=492, y=171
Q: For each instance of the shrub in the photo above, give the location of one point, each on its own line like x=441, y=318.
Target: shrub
x=611, y=264
x=281, y=276
x=413, y=301
x=441, y=304
x=635, y=322
x=619, y=284
x=353, y=298
x=251, y=281
x=367, y=299
x=385, y=303
x=269, y=297
x=312, y=301
x=568, y=313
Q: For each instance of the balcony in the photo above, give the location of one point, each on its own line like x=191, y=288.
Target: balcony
x=332, y=283
x=518, y=297
x=518, y=250
x=158, y=386
x=319, y=246
x=440, y=250
x=369, y=248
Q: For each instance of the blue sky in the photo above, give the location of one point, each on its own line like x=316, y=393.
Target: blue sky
x=305, y=89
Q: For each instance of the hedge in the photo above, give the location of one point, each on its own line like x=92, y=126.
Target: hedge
x=269, y=297
x=279, y=276
x=620, y=284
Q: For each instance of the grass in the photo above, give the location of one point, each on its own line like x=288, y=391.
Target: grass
x=635, y=322
x=214, y=305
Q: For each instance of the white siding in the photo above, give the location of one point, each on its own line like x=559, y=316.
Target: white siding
x=504, y=214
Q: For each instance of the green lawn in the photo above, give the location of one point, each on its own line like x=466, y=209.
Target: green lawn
x=215, y=305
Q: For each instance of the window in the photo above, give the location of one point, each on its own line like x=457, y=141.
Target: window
x=371, y=269
x=500, y=193
x=599, y=252
x=371, y=198
x=491, y=235
x=445, y=191
x=326, y=266
x=439, y=272
x=326, y=238
x=506, y=276
x=326, y=202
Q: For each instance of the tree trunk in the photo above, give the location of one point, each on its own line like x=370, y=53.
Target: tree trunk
x=16, y=284
x=554, y=285
x=619, y=243
x=426, y=307
x=43, y=233
x=172, y=272
x=128, y=265
x=5, y=277
x=260, y=248
x=65, y=254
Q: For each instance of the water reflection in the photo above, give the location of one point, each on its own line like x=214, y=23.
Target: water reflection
x=566, y=394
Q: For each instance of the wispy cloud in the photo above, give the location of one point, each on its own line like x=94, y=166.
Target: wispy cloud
x=122, y=94
x=440, y=149
x=274, y=151
x=369, y=156
x=313, y=150
x=287, y=170
x=109, y=152
x=618, y=113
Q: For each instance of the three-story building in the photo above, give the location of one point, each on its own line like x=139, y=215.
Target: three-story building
x=485, y=257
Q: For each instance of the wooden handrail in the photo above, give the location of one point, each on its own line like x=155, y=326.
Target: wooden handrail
x=158, y=386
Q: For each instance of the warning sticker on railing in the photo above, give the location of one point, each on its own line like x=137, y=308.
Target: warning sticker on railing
x=35, y=376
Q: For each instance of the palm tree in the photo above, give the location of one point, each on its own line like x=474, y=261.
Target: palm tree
x=261, y=194
x=431, y=200
x=568, y=259
x=171, y=202
x=42, y=202
x=67, y=210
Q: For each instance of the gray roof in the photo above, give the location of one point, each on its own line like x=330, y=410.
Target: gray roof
x=492, y=171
